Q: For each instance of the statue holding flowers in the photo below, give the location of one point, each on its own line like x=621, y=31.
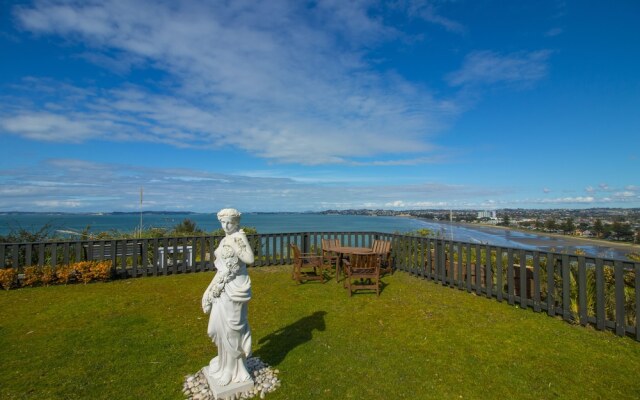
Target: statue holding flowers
x=226, y=301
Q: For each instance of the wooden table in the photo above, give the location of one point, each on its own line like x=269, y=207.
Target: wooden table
x=343, y=251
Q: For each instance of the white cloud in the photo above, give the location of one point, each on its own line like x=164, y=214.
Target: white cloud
x=546, y=190
x=46, y=126
x=625, y=194
x=419, y=204
x=59, y=205
x=397, y=203
x=570, y=200
x=270, y=78
x=490, y=68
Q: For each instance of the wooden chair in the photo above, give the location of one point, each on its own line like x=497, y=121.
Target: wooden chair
x=307, y=266
x=328, y=256
x=363, y=272
x=383, y=249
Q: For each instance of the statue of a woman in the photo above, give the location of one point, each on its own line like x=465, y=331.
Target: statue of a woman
x=226, y=300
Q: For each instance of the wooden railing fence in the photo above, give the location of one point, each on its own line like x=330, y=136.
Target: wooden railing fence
x=584, y=290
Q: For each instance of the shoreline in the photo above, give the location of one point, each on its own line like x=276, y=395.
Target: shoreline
x=542, y=240
x=631, y=247
x=571, y=240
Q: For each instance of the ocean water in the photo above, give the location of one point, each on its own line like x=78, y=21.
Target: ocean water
x=282, y=223
x=264, y=223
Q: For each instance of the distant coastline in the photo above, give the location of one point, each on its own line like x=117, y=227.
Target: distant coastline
x=441, y=216
x=98, y=213
x=273, y=222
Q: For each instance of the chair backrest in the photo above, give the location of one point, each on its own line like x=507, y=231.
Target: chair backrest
x=296, y=251
x=328, y=244
x=368, y=261
x=381, y=247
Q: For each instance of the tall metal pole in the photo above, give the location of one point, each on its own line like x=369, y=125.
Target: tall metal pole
x=140, y=229
x=450, y=224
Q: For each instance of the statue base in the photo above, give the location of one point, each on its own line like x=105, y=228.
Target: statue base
x=227, y=391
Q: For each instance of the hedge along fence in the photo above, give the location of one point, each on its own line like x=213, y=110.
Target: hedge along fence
x=585, y=290
x=35, y=275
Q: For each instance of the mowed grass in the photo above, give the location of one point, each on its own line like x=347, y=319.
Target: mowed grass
x=138, y=338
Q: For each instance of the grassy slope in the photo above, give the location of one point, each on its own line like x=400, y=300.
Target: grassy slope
x=139, y=338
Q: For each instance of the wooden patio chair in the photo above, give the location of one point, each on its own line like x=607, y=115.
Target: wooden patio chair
x=328, y=256
x=363, y=273
x=383, y=249
x=307, y=266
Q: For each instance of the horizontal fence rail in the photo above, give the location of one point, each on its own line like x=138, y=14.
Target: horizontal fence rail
x=579, y=289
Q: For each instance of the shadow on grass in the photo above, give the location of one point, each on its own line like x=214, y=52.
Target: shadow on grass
x=275, y=346
x=361, y=291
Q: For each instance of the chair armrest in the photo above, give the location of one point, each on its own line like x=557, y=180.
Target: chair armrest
x=309, y=256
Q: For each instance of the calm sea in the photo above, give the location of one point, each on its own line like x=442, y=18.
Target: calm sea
x=264, y=223
x=276, y=223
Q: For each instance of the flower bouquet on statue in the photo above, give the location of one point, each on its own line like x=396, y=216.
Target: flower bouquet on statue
x=207, y=302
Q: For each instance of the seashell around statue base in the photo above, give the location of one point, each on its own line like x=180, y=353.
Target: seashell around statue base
x=265, y=380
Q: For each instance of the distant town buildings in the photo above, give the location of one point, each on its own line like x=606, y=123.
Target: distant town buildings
x=487, y=214
x=615, y=224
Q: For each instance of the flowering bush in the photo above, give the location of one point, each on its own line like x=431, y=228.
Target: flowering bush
x=32, y=276
x=7, y=277
x=65, y=273
x=48, y=275
x=83, y=271
x=101, y=271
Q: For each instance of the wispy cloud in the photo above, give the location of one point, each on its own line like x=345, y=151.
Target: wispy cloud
x=435, y=159
x=78, y=185
x=603, y=195
x=106, y=187
x=269, y=78
x=428, y=11
x=570, y=200
x=553, y=32
x=489, y=68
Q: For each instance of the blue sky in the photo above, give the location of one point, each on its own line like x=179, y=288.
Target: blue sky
x=295, y=106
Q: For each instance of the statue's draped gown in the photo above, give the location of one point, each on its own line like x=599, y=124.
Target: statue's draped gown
x=228, y=323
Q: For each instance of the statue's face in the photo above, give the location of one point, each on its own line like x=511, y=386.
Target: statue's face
x=229, y=225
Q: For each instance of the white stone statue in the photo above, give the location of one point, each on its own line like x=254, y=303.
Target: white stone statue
x=226, y=301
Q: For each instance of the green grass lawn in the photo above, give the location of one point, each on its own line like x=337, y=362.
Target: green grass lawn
x=138, y=338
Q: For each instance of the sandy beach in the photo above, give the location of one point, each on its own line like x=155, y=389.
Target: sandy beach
x=572, y=240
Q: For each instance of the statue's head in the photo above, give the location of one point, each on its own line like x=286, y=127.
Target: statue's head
x=229, y=219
